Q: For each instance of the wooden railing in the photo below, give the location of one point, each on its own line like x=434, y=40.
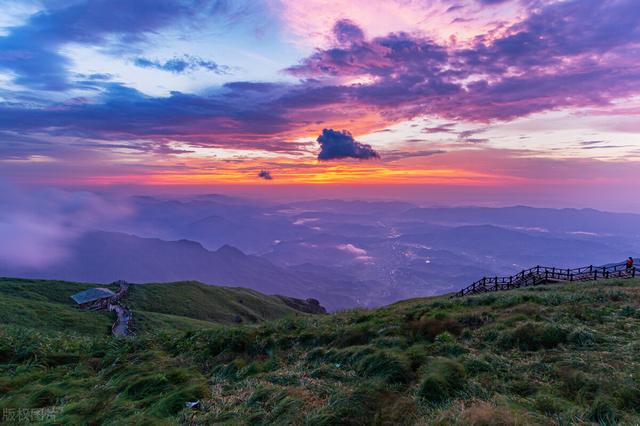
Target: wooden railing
x=544, y=274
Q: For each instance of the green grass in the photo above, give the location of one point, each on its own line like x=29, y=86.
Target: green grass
x=47, y=305
x=208, y=303
x=546, y=355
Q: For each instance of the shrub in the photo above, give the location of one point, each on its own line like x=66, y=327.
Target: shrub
x=533, y=336
x=390, y=342
x=444, y=337
x=628, y=396
x=603, y=412
x=389, y=367
x=484, y=414
x=473, y=320
x=443, y=380
x=523, y=387
x=576, y=384
x=417, y=355
x=429, y=328
x=582, y=337
x=355, y=408
x=475, y=365
x=628, y=311
x=550, y=405
x=353, y=336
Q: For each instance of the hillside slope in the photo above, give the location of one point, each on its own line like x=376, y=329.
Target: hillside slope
x=543, y=355
x=183, y=305
x=103, y=257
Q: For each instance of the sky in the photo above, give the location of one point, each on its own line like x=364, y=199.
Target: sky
x=449, y=101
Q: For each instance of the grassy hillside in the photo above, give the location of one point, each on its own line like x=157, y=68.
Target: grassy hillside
x=546, y=355
x=44, y=304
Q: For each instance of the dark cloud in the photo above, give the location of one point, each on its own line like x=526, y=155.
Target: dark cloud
x=100, y=76
x=399, y=155
x=444, y=128
x=347, y=32
x=180, y=65
x=467, y=136
x=454, y=7
x=228, y=118
x=335, y=145
x=265, y=174
x=603, y=147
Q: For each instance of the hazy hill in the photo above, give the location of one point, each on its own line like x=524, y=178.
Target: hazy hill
x=546, y=220
x=104, y=257
x=505, y=247
x=544, y=355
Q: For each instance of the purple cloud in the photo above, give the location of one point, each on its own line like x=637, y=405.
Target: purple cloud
x=347, y=32
x=335, y=145
x=552, y=59
x=575, y=53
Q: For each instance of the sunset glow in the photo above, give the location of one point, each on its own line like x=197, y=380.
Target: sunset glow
x=473, y=93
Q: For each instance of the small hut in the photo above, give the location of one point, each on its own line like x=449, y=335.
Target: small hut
x=94, y=298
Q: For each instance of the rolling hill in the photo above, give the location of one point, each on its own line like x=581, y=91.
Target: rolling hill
x=47, y=305
x=103, y=257
x=557, y=354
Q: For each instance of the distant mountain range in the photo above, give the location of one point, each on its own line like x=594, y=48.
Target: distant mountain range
x=344, y=253
x=104, y=257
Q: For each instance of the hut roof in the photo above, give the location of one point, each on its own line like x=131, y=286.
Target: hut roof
x=92, y=294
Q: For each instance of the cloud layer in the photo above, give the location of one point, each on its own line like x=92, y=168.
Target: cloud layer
x=550, y=56
x=37, y=225
x=180, y=65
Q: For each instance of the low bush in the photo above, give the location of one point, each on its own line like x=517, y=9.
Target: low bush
x=389, y=367
x=443, y=380
x=603, y=412
x=550, y=405
x=429, y=328
x=576, y=384
x=583, y=337
x=485, y=414
x=353, y=336
x=532, y=336
x=354, y=408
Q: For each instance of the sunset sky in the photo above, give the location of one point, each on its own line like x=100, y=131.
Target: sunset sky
x=466, y=101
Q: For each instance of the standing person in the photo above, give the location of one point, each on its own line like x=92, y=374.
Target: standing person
x=630, y=262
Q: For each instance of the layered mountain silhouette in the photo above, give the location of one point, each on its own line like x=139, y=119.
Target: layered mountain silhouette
x=104, y=257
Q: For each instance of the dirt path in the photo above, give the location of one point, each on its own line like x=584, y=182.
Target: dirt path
x=121, y=326
x=124, y=322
